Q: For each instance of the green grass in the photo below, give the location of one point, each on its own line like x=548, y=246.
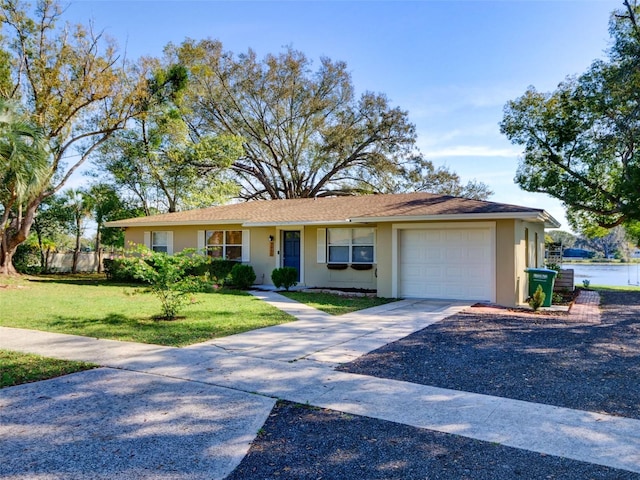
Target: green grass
x=91, y=306
x=336, y=304
x=17, y=368
x=608, y=288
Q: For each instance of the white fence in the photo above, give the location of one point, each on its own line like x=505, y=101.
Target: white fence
x=62, y=262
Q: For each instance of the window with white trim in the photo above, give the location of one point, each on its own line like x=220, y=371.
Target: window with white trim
x=351, y=245
x=225, y=244
x=160, y=242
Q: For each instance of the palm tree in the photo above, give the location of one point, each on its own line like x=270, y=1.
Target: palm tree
x=23, y=171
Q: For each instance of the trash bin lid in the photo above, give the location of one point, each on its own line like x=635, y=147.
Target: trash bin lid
x=541, y=270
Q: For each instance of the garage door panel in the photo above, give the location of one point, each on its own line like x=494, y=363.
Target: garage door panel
x=448, y=263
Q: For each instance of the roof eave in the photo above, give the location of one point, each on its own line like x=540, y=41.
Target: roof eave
x=300, y=222
x=535, y=216
x=171, y=223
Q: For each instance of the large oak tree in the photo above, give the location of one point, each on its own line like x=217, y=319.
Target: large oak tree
x=306, y=133
x=581, y=140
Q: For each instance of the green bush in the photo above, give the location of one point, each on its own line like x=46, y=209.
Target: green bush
x=27, y=259
x=242, y=276
x=285, y=277
x=167, y=276
x=220, y=270
x=537, y=299
x=121, y=269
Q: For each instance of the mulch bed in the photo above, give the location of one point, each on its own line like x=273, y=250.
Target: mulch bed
x=302, y=443
x=541, y=358
x=537, y=358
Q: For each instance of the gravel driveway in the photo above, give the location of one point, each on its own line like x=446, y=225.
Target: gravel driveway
x=541, y=359
x=536, y=358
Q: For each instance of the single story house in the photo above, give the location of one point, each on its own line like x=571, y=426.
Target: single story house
x=416, y=245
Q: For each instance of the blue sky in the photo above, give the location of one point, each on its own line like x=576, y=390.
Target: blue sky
x=452, y=64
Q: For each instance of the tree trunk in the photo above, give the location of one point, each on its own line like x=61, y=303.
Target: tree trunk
x=43, y=263
x=47, y=259
x=76, y=254
x=10, y=240
x=99, y=249
x=6, y=262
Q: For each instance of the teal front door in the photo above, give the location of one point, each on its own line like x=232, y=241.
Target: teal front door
x=291, y=250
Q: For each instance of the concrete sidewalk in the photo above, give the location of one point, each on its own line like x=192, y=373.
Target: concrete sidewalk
x=329, y=339
x=248, y=372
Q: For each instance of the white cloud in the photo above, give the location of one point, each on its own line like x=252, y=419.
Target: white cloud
x=439, y=101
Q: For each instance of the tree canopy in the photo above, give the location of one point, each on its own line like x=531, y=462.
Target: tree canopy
x=305, y=132
x=156, y=160
x=580, y=141
x=74, y=88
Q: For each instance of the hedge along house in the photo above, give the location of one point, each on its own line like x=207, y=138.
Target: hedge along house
x=414, y=245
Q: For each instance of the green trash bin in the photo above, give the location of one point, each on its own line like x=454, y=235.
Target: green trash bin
x=544, y=277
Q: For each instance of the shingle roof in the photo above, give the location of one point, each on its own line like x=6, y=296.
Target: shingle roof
x=407, y=206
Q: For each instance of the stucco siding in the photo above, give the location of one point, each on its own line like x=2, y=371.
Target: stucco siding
x=507, y=280
x=529, y=248
x=515, y=244
x=263, y=257
x=318, y=275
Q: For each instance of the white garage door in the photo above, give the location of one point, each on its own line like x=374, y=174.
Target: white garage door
x=446, y=263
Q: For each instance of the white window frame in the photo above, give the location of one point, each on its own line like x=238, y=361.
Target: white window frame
x=150, y=241
x=244, y=243
x=351, y=245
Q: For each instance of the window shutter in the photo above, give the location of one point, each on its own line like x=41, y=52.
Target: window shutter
x=170, y=243
x=246, y=246
x=321, y=245
x=147, y=239
x=200, y=242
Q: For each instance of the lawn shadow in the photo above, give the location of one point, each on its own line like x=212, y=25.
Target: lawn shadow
x=81, y=280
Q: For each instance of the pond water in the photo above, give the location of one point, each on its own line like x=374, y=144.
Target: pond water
x=621, y=274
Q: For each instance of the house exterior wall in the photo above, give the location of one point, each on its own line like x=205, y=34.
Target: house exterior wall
x=529, y=253
x=385, y=261
x=186, y=236
x=318, y=275
x=516, y=249
x=507, y=277
x=263, y=257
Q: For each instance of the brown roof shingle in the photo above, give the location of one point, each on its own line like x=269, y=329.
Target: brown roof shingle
x=340, y=210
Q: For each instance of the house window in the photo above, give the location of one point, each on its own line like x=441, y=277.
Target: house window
x=225, y=244
x=160, y=241
x=351, y=245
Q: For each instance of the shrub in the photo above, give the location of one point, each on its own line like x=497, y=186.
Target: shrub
x=220, y=270
x=121, y=269
x=285, y=277
x=27, y=259
x=168, y=277
x=242, y=276
x=537, y=299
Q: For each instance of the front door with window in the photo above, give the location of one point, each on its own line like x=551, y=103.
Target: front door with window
x=291, y=250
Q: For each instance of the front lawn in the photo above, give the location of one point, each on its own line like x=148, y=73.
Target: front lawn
x=336, y=304
x=91, y=306
x=17, y=368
